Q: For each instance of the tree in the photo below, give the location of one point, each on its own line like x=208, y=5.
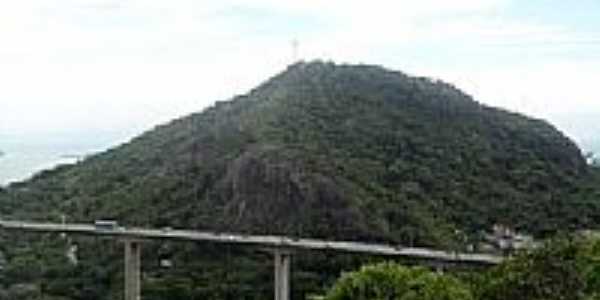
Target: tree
x=563, y=268
x=391, y=281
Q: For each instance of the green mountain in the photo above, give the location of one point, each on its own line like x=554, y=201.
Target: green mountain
x=351, y=152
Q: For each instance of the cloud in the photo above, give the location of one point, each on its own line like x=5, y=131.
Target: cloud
x=124, y=63
x=544, y=90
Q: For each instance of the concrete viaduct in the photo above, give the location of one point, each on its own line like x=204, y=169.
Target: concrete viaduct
x=281, y=247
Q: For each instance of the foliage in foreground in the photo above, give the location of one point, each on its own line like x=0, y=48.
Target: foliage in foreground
x=565, y=268
x=390, y=281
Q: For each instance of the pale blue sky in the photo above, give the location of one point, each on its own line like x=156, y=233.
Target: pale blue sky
x=122, y=66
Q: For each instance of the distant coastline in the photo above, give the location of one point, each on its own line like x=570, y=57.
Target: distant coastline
x=23, y=156
x=23, y=165
x=20, y=164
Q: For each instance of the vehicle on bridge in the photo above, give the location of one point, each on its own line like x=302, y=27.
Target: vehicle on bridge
x=106, y=225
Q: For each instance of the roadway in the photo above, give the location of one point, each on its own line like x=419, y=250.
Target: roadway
x=266, y=241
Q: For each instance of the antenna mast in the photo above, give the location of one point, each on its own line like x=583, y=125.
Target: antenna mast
x=295, y=45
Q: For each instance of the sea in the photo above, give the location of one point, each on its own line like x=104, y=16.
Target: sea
x=21, y=164
x=22, y=156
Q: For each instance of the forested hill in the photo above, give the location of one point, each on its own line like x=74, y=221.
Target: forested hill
x=334, y=151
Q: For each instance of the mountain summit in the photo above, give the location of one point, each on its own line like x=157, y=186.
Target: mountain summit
x=321, y=150
x=331, y=151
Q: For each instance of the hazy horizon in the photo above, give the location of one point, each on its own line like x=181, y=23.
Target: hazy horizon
x=114, y=65
x=119, y=67
x=27, y=154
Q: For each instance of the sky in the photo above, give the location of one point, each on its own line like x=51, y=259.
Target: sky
x=92, y=69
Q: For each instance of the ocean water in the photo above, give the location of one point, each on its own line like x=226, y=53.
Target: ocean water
x=20, y=164
x=24, y=156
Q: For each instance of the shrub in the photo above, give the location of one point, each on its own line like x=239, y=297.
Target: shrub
x=390, y=281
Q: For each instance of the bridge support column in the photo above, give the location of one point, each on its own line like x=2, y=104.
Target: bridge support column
x=132, y=270
x=282, y=275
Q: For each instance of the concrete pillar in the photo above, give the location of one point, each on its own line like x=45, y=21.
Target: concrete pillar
x=132, y=270
x=282, y=275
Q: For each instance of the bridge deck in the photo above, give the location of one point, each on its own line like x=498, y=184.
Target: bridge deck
x=268, y=241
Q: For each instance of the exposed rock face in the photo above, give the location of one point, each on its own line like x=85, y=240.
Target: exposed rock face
x=334, y=151
x=320, y=150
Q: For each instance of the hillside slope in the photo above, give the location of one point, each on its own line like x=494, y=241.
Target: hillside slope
x=320, y=150
x=324, y=150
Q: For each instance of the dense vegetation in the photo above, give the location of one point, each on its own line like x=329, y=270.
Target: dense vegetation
x=390, y=281
x=320, y=150
x=563, y=268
